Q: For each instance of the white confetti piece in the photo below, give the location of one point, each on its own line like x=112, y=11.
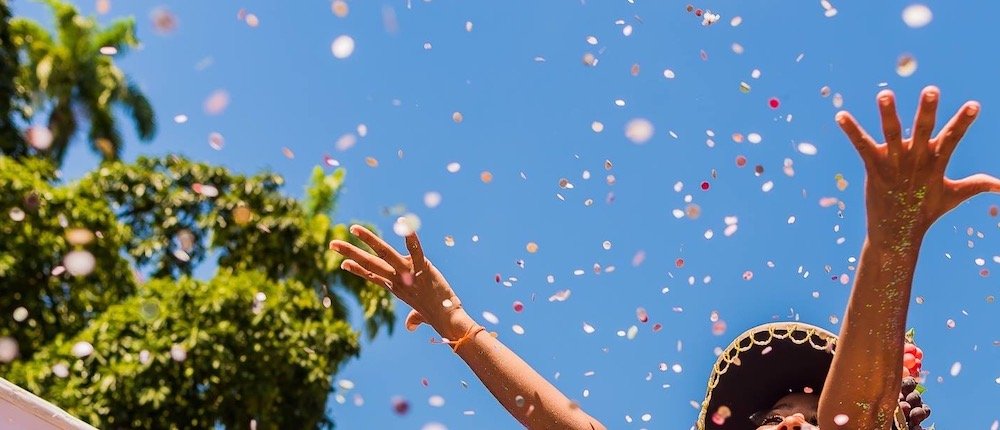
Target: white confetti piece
x=342, y=47
x=917, y=15
x=807, y=148
x=490, y=317
x=82, y=349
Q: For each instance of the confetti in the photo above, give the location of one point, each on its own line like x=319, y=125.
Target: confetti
x=906, y=66
x=16, y=214
x=406, y=225
x=632, y=332
x=432, y=199
x=252, y=20
x=82, y=349
x=490, y=317
x=79, y=263
x=400, y=406
x=560, y=296
x=340, y=8
x=917, y=15
x=164, y=21
x=60, y=370
x=806, y=148
x=342, y=47
x=9, y=349
x=639, y=130
x=178, y=352
x=216, y=102
x=216, y=141
x=345, y=142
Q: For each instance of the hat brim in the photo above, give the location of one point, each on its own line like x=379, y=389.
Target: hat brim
x=762, y=365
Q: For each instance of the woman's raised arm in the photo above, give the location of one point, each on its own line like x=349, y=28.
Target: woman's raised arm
x=905, y=192
x=528, y=397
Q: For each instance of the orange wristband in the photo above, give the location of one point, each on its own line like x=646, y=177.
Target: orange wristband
x=471, y=333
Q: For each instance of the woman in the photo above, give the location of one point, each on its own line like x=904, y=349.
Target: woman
x=787, y=363
x=906, y=192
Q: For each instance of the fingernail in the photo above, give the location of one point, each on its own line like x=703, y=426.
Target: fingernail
x=931, y=96
x=972, y=110
x=884, y=100
x=840, y=117
x=333, y=245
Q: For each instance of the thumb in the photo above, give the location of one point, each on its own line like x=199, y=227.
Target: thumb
x=413, y=320
x=970, y=186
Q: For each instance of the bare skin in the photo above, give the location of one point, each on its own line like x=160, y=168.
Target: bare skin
x=906, y=192
x=796, y=411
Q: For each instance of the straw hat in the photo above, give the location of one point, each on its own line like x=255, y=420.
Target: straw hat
x=762, y=365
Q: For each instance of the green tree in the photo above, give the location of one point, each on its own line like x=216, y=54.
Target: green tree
x=259, y=341
x=11, y=141
x=73, y=78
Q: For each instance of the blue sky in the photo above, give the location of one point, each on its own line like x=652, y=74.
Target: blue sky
x=528, y=103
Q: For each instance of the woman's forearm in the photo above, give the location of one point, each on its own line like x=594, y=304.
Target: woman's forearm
x=865, y=377
x=529, y=397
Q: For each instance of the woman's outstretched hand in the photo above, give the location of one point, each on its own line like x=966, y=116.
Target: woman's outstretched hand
x=411, y=278
x=530, y=398
x=905, y=186
x=906, y=191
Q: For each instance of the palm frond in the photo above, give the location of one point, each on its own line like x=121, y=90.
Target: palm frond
x=119, y=35
x=104, y=136
x=141, y=110
x=31, y=37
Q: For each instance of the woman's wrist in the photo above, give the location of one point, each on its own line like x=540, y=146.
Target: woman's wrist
x=456, y=324
x=887, y=236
